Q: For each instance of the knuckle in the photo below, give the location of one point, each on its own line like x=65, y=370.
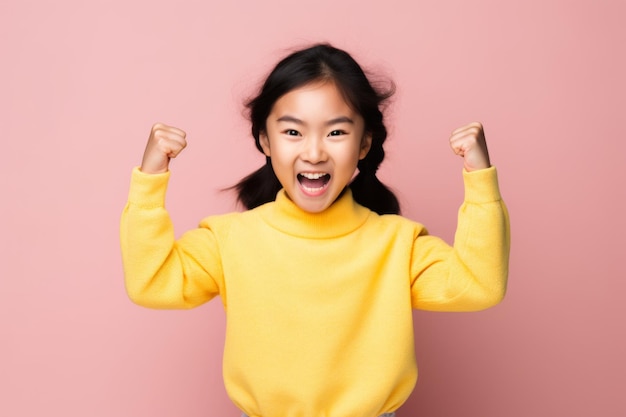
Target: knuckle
x=474, y=131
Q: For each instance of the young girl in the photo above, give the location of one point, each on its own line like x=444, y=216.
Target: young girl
x=319, y=276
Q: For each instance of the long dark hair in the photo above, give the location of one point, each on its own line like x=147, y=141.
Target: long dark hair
x=322, y=62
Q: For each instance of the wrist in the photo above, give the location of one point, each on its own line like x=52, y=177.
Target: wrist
x=151, y=171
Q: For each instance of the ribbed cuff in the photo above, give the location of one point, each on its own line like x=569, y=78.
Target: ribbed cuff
x=481, y=186
x=148, y=190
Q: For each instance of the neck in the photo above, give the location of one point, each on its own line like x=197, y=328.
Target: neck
x=342, y=217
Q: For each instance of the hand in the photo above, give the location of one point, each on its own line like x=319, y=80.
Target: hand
x=165, y=142
x=469, y=142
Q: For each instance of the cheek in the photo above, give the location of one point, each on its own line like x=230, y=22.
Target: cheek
x=350, y=158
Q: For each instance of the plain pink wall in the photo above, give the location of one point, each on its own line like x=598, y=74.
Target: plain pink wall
x=82, y=82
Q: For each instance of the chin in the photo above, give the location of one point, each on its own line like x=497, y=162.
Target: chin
x=314, y=206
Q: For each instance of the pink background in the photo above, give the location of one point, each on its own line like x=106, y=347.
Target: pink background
x=82, y=82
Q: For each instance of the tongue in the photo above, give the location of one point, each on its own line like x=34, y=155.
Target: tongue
x=312, y=183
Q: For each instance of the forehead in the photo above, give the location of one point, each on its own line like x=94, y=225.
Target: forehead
x=317, y=100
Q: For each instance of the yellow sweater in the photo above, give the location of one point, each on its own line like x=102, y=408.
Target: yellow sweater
x=318, y=306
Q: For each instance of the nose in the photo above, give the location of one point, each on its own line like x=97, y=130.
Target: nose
x=313, y=150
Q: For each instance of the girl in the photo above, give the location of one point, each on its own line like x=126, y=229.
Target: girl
x=319, y=276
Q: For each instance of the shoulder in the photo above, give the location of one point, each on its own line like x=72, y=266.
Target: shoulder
x=395, y=223
x=228, y=220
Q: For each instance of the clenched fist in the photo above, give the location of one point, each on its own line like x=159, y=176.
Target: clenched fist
x=469, y=142
x=165, y=142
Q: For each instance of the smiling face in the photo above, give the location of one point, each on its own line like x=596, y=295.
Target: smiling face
x=315, y=140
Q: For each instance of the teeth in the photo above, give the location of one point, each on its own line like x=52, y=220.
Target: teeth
x=313, y=190
x=313, y=176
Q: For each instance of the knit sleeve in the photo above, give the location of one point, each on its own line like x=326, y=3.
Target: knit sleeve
x=159, y=271
x=472, y=274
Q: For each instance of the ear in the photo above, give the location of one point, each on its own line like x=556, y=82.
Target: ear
x=265, y=143
x=366, y=144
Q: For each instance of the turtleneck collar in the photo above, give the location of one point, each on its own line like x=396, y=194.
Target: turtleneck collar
x=341, y=218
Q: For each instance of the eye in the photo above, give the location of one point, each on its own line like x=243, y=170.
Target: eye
x=291, y=132
x=337, y=133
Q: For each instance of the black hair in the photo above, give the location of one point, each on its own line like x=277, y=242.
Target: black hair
x=322, y=62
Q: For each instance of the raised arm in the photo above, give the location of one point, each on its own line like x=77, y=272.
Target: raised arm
x=159, y=271
x=471, y=275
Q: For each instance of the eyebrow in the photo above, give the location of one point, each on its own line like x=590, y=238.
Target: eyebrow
x=337, y=120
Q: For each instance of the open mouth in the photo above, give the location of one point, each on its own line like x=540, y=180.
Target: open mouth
x=313, y=182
